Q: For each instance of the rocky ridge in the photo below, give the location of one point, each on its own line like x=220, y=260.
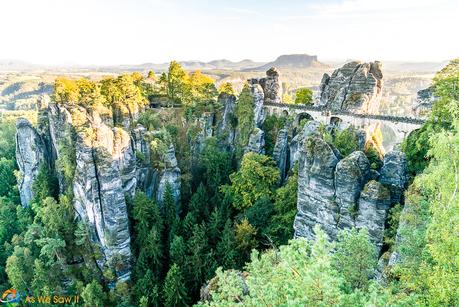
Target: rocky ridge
x=355, y=87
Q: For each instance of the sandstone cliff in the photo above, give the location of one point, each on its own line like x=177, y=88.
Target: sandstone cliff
x=339, y=193
x=354, y=87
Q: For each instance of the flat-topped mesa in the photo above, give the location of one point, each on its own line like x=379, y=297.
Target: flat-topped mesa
x=355, y=87
x=271, y=86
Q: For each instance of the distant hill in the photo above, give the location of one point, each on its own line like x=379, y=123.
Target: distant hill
x=292, y=61
x=193, y=65
x=14, y=65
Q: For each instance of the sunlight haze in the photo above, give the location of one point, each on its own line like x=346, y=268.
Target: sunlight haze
x=105, y=32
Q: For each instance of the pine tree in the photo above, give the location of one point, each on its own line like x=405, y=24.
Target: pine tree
x=177, y=251
x=199, y=204
x=226, y=248
x=198, y=250
x=93, y=294
x=174, y=292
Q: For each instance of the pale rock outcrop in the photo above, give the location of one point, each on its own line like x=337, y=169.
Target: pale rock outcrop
x=394, y=174
x=105, y=172
x=422, y=105
x=271, y=86
x=258, y=108
x=351, y=174
x=281, y=152
x=310, y=128
x=225, y=128
x=355, y=87
x=374, y=204
x=147, y=176
x=60, y=134
x=256, y=142
x=31, y=154
x=339, y=193
x=169, y=176
x=316, y=189
x=206, y=130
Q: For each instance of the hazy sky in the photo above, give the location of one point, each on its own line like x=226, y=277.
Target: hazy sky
x=138, y=31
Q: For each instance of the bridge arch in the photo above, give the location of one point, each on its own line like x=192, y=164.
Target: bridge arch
x=302, y=116
x=336, y=121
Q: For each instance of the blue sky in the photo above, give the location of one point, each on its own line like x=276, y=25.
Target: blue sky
x=130, y=32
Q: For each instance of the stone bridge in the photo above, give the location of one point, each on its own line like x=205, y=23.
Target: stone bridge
x=399, y=126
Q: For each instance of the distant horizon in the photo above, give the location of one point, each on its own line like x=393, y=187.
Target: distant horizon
x=325, y=61
x=114, y=32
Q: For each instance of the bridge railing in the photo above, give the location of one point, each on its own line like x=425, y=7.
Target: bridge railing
x=401, y=119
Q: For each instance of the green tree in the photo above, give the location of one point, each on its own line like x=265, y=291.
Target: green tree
x=226, y=248
x=19, y=267
x=355, y=258
x=177, y=252
x=93, y=294
x=226, y=88
x=245, y=116
x=303, y=96
x=280, y=227
x=174, y=288
x=176, y=82
x=7, y=178
x=256, y=178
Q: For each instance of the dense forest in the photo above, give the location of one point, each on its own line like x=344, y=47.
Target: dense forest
x=226, y=236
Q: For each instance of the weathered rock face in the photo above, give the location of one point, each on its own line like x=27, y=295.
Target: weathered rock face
x=355, y=87
x=351, y=174
x=297, y=142
x=271, y=86
x=425, y=99
x=316, y=189
x=258, y=110
x=394, y=175
x=374, y=204
x=225, y=127
x=256, y=142
x=105, y=172
x=169, y=176
x=281, y=152
x=206, y=130
x=31, y=153
x=60, y=133
x=339, y=193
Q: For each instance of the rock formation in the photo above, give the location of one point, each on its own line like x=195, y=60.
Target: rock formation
x=351, y=174
x=271, y=86
x=340, y=193
x=354, y=87
x=316, y=189
x=105, y=171
x=374, y=203
x=169, y=176
x=425, y=99
x=225, y=127
x=258, y=110
x=31, y=153
x=256, y=142
x=394, y=174
x=281, y=152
